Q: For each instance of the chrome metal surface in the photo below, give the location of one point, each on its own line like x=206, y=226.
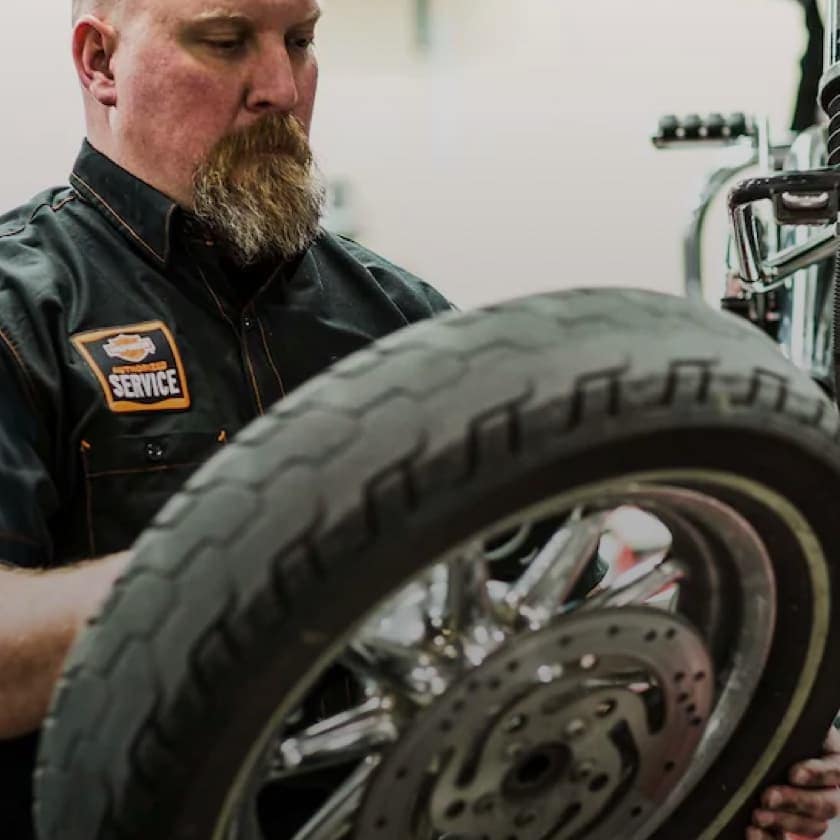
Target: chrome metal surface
x=800, y=273
x=335, y=818
x=832, y=34
x=350, y=735
x=497, y=708
x=806, y=324
x=808, y=250
x=748, y=246
x=549, y=579
x=541, y=739
x=760, y=152
x=693, y=240
x=635, y=588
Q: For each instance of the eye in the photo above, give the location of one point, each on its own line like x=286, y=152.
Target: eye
x=302, y=43
x=226, y=45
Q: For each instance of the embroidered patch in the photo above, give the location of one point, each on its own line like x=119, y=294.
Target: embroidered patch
x=139, y=367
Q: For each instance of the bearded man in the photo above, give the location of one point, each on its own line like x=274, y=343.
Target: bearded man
x=176, y=289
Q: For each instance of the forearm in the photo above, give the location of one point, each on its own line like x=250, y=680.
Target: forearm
x=41, y=613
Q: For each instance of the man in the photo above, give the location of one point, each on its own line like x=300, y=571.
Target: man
x=178, y=288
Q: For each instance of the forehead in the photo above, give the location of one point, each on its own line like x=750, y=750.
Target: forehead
x=277, y=12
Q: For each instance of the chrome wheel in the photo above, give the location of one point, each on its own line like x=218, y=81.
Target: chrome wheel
x=498, y=700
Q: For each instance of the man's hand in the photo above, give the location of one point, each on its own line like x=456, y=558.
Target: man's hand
x=805, y=809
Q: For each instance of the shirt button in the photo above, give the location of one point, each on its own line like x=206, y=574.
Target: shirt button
x=155, y=452
x=248, y=322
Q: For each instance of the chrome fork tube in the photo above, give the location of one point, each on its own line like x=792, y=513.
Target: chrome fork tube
x=693, y=239
x=832, y=34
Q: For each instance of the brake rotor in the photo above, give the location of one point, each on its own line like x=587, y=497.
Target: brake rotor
x=585, y=724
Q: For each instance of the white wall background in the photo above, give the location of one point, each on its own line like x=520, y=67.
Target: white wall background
x=513, y=158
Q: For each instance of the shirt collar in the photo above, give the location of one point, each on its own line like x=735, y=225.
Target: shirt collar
x=141, y=213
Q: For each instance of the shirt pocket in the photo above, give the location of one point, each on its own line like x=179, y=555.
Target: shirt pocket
x=129, y=478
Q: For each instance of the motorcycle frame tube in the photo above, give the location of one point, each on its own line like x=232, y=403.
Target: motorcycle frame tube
x=803, y=318
x=832, y=35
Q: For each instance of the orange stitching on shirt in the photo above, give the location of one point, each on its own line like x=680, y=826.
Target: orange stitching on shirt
x=85, y=449
x=260, y=407
x=271, y=358
x=243, y=340
x=61, y=204
x=216, y=299
x=121, y=220
x=30, y=385
x=16, y=231
x=54, y=207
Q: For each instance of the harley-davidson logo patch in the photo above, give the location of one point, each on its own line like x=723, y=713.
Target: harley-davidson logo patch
x=130, y=348
x=138, y=367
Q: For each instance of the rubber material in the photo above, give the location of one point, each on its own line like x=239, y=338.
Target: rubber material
x=360, y=478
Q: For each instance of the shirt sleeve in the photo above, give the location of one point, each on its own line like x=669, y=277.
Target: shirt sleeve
x=416, y=299
x=27, y=490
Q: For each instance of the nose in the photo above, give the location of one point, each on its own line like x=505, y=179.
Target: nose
x=273, y=85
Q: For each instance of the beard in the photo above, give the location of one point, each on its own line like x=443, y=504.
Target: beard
x=260, y=191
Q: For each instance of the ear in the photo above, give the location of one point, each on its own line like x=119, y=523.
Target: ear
x=94, y=44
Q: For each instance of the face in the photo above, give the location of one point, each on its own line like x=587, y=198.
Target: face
x=191, y=74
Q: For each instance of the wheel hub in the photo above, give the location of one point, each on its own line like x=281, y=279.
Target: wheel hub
x=587, y=723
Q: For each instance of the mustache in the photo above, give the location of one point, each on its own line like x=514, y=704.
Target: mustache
x=274, y=134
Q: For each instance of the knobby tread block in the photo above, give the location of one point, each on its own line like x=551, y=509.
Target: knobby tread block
x=689, y=375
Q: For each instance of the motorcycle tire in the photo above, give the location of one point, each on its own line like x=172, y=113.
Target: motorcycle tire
x=250, y=581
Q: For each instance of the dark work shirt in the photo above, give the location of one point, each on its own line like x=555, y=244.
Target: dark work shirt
x=130, y=352
x=132, y=349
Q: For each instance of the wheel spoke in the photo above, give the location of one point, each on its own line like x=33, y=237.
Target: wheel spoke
x=638, y=585
x=467, y=599
x=428, y=641
x=334, y=819
x=350, y=735
x=547, y=582
x=412, y=674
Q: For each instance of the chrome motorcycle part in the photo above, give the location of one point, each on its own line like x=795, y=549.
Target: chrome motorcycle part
x=541, y=738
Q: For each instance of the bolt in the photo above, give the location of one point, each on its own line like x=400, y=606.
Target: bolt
x=548, y=673
x=583, y=771
x=575, y=728
x=588, y=661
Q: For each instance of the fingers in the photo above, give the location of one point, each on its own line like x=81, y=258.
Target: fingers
x=806, y=809
x=820, y=772
x=820, y=805
x=775, y=821
x=817, y=772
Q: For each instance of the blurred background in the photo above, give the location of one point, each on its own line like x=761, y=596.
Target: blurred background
x=494, y=147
